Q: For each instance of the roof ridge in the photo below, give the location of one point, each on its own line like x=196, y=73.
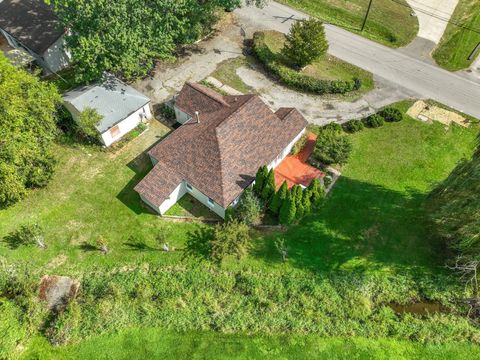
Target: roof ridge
x=201, y=89
x=289, y=111
x=221, y=157
x=237, y=110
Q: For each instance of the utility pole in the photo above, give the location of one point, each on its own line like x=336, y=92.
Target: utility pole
x=366, y=15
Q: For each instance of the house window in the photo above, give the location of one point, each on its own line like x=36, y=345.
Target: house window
x=189, y=187
x=211, y=203
x=115, y=132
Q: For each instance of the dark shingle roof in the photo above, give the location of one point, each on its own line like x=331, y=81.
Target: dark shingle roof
x=220, y=155
x=32, y=22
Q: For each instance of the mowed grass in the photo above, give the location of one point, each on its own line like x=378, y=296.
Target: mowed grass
x=91, y=196
x=160, y=344
x=226, y=72
x=327, y=67
x=374, y=217
x=390, y=22
x=460, y=38
x=370, y=226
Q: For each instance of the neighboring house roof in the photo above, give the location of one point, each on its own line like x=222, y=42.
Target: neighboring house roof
x=220, y=155
x=31, y=22
x=113, y=99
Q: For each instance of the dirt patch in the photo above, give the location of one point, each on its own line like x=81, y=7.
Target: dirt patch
x=429, y=113
x=57, y=291
x=57, y=261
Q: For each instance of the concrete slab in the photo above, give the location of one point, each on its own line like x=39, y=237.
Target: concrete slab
x=433, y=17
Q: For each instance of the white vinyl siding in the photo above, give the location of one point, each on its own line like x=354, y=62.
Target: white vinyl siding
x=181, y=117
x=126, y=125
x=57, y=57
x=285, y=152
x=176, y=195
x=181, y=190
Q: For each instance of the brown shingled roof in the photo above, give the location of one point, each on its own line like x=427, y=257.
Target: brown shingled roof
x=31, y=22
x=220, y=155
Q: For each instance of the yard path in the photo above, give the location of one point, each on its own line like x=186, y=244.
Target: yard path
x=199, y=62
x=320, y=110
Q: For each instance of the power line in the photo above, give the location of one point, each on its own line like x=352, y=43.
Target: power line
x=447, y=20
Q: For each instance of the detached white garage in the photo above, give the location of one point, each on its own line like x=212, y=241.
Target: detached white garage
x=121, y=106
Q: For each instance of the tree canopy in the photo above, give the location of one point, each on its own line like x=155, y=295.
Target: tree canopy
x=332, y=146
x=126, y=36
x=306, y=42
x=454, y=207
x=27, y=131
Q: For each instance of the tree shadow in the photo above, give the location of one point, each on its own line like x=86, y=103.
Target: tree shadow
x=12, y=241
x=198, y=243
x=138, y=244
x=87, y=247
x=360, y=227
x=141, y=165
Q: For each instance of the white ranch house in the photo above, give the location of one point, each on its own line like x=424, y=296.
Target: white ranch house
x=216, y=152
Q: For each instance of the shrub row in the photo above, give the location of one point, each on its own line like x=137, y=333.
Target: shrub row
x=388, y=114
x=296, y=80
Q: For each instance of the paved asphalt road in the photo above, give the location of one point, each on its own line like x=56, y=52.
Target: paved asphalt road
x=426, y=80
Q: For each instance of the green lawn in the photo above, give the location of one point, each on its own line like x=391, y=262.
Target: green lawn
x=460, y=37
x=160, y=344
x=226, y=72
x=374, y=218
x=389, y=22
x=91, y=196
x=326, y=68
x=363, y=249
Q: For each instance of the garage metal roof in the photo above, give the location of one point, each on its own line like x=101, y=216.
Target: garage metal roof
x=113, y=99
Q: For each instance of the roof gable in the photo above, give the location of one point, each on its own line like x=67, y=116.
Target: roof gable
x=194, y=97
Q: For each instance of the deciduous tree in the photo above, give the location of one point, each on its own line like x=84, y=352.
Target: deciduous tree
x=231, y=238
x=332, y=147
x=87, y=122
x=127, y=36
x=27, y=131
